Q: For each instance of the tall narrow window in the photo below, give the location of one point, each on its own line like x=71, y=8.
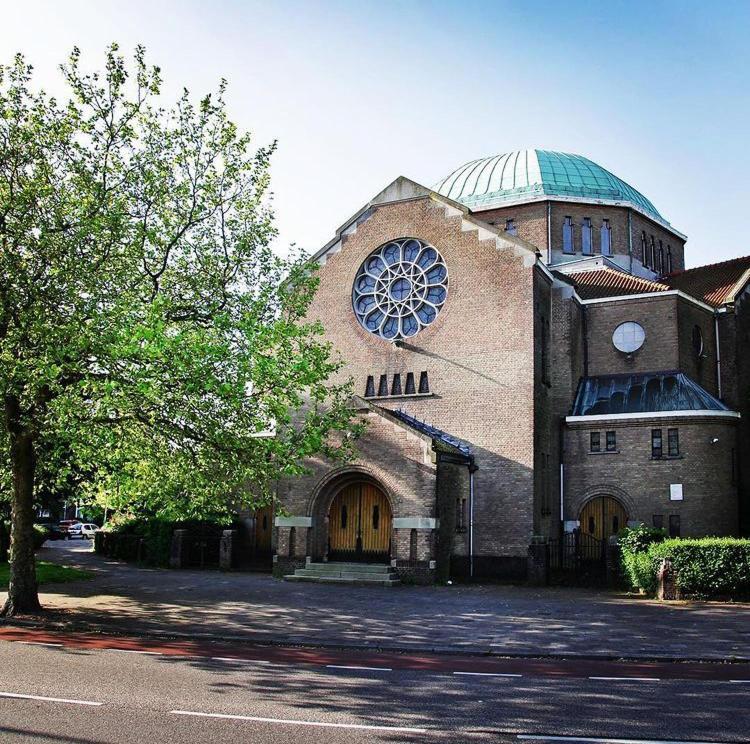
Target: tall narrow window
x=669, y=259
x=410, y=389
x=611, y=441
x=396, y=387
x=652, y=253
x=510, y=227
x=424, y=383
x=674, y=525
x=586, y=236
x=673, y=442
x=595, y=442
x=656, y=443
x=370, y=387
x=644, y=249
x=661, y=258
x=605, y=235
x=383, y=386
x=568, y=235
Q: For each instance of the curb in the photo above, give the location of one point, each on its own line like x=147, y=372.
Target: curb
x=291, y=641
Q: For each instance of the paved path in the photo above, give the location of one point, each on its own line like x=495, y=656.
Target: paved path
x=503, y=620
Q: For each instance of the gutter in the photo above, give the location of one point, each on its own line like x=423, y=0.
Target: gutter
x=718, y=355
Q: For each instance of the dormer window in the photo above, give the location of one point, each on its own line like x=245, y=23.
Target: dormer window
x=606, y=238
x=568, y=235
x=586, y=236
x=510, y=227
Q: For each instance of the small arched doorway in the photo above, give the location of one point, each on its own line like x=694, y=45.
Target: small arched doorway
x=603, y=517
x=359, y=524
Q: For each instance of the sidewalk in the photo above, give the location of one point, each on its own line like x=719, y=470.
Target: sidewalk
x=501, y=620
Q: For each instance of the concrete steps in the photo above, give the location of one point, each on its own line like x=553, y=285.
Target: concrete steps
x=361, y=574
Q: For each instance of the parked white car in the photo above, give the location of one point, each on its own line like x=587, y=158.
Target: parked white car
x=82, y=530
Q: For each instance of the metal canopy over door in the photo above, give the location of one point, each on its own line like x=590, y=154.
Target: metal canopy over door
x=359, y=524
x=603, y=517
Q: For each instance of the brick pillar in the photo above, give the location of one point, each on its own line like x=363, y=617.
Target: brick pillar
x=667, y=578
x=538, y=563
x=177, y=551
x=226, y=548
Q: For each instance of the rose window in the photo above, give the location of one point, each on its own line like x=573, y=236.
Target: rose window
x=400, y=288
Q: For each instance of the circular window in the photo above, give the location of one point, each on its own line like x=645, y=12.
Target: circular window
x=628, y=337
x=697, y=340
x=400, y=288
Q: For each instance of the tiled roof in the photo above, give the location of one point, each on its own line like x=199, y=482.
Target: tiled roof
x=642, y=393
x=432, y=431
x=715, y=284
x=591, y=285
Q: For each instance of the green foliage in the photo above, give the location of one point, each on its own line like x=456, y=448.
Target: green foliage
x=709, y=566
x=49, y=573
x=636, y=563
x=706, y=567
x=40, y=536
x=149, y=335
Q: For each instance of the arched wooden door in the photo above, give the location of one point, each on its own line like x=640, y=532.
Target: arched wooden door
x=603, y=517
x=359, y=524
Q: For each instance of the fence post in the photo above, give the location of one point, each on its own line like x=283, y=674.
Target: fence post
x=177, y=551
x=538, y=562
x=226, y=547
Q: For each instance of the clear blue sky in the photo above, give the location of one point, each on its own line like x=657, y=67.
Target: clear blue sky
x=358, y=93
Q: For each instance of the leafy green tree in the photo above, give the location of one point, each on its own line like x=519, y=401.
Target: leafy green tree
x=148, y=334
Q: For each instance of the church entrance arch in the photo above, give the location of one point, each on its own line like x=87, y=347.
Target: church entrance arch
x=360, y=522
x=602, y=517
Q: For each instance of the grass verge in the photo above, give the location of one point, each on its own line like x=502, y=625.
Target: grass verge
x=48, y=573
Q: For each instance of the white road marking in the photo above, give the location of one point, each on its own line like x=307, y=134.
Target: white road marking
x=740, y=681
x=359, y=668
x=487, y=674
x=601, y=740
x=627, y=679
x=48, y=699
x=293, y=722
x=39, y=643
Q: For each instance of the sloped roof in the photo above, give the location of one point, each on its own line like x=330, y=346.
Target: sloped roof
x=432, y=431
x=591, y=285
x=715, y=284
x=642, y=393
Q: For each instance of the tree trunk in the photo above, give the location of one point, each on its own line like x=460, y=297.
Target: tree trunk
x=22, y=588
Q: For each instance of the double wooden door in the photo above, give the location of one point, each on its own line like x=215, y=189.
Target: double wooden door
x=359, y=524
x=603, y=517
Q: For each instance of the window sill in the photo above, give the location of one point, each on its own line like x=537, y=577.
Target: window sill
x=606, y=452
x=668, y=457
x=397, y=397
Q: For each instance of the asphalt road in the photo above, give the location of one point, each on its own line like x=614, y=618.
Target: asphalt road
x=84, y=693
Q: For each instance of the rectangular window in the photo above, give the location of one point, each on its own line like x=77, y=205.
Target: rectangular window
x=674, y=525
x=568, y=235
x=656, y=444
x=658, y=521
x=460, y=515
x=673, y=442
x=586, y=236
x=611, y=441
x=510, y=227
x=606, y=238
x=595, y=441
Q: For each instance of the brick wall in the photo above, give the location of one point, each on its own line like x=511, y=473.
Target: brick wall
x=530, y=221
x=642, y=484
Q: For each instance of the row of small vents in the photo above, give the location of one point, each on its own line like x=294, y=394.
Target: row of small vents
x=396, y=387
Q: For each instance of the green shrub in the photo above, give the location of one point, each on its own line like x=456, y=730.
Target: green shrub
x=40, y=536
x=635, y=559
x=709, y=566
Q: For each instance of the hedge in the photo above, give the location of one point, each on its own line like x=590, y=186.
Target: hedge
x=706, y=567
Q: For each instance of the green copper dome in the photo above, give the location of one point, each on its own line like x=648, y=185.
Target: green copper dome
x=533, y=175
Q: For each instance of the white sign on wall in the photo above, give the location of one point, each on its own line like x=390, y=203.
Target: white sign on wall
x=675, y=492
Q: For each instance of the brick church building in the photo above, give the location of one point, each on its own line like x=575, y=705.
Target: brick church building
x=532, y=359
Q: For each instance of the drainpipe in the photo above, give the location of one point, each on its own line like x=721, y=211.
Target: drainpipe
x=472, y=469
x=718, y=354
x=630, y=238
